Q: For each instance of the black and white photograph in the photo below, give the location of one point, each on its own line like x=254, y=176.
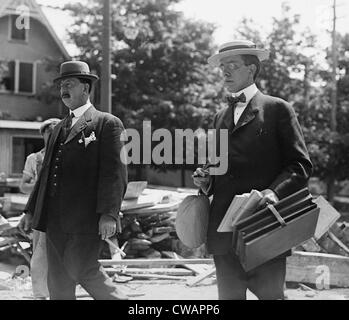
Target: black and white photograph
x=185, y=152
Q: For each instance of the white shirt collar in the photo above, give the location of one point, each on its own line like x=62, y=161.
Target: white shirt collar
x=249, y=92
x=78, y=112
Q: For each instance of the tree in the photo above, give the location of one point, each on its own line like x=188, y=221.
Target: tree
x=159, y=62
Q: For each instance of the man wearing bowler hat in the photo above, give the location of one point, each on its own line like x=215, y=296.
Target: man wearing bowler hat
x=78, y=195
x=266, y=152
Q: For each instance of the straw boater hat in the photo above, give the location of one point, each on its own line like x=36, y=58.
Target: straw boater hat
x=192, y=220
x=237, y=47
x=78, y=69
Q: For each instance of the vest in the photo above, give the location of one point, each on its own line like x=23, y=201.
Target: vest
x=56, y=166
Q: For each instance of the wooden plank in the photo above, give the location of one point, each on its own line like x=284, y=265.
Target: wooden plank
x=156, y=277
x=5, y=241
x=154, y=262
x=309, y=267
x=161, y=271
x=338, y=242
x=158, y=208
x=143, y=201
x=18, y=201
x=197, y=268
x=4, y=224
x=311, y=246
x=201, y=277
x=13, y=182
x=134, y=189
x=115, y=247
x=327, y=217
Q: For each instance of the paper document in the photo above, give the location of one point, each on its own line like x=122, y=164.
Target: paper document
x=241, y=207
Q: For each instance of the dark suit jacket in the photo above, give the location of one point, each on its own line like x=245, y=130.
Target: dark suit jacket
x=266, y=151
x=92, y=180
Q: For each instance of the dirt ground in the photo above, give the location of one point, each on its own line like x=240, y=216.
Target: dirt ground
x=20, y=289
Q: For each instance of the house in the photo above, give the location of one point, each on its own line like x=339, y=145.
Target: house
x=27, y=42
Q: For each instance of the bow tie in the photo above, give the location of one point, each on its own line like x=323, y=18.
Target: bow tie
x=232, y=101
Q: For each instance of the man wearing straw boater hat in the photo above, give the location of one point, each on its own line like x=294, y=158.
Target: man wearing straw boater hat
x=266, y=152
x=78, y=195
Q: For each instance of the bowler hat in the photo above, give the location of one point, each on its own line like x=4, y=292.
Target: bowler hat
x=78, y=69
x=238, y=47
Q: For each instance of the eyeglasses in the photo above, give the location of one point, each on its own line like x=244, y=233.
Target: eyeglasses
x=230, y=66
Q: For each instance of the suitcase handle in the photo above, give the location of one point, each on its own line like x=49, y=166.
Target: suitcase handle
x=276, y=214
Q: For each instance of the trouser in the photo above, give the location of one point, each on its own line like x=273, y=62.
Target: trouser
x=38, y=265
x=266, y=281
x=72, y=260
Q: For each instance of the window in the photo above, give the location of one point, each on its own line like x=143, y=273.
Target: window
x=7, y=76
x=21, y=148
x=16, y=33
x=17, y=77
x=26, y=77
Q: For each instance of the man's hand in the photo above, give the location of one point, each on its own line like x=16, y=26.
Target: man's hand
x=25, y=224
x=269, y=197
x=107, y=226
x=201, y=178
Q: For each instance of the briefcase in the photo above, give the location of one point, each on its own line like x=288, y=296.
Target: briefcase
x=275, y=229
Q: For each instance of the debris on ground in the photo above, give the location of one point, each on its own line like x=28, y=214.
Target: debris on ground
x=155, y=257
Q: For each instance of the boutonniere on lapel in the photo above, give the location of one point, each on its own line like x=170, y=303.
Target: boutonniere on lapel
x=89, y=139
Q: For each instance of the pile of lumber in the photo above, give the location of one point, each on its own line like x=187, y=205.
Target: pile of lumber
x=171, y=267
x=148, y=224
x=148, y=236
x=322, y=261
x=13, y=204
x=12, y=241
x=331, y=237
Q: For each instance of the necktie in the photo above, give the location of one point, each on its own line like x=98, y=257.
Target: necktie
x=67, y=125
x=232, y=101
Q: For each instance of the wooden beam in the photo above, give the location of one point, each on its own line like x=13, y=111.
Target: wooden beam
x=201, y=277
x=327, y=217
x=338, y=242
x=197, y=268
x=310, y=267
x=148, y=276
x=154, y=262
x=163, y=271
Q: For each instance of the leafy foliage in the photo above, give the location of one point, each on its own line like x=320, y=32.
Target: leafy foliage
x=158, y=59
x=159, y=62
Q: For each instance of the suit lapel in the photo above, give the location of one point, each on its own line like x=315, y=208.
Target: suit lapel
x=56, y=132
x=249, y=113
x=228, y=117
x=81, y=124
